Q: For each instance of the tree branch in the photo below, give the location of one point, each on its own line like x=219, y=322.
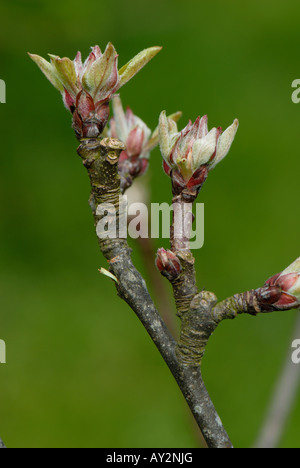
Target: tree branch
x=100, y=159
x=199, y=312
x=184, y=286
x=2, y=445
x=253, y=302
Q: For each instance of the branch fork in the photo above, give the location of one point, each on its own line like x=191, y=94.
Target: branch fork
x=99, y=158
x=200, y=312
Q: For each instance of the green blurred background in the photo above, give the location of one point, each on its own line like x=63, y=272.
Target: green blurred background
x=81, y=371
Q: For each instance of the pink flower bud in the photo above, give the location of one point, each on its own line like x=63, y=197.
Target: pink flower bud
x=97, y=79
x=135, y=141
x=284, y=288
x=137, y=137
x=188, y=152
x=168, y=264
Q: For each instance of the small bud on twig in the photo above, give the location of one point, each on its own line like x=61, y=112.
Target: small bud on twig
x=168, y=264
x=282, y=291
x=137, y=137
x=190, y=154
x=88, y=87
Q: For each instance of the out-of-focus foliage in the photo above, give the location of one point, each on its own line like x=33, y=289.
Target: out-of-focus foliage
x=80, y=369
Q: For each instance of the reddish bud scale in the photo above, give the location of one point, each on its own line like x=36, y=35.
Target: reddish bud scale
x=132, y=166
x=277, y=292
x=89, y=119
x=88, y=87
x=190, y=190
x=168, y=264
x=134, y=142
x=190, y=154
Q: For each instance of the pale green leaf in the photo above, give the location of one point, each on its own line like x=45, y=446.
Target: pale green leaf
x=65, y=69
x=136, y=63
x=98, y=74
x=49, y=71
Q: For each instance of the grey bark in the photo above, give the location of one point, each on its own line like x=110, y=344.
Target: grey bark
x=100, y=159
x=2, y=445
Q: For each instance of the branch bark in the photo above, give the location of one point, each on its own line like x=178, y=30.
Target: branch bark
x=200, y=313
x=2, y=445
x=184, y=286
x=100, y=159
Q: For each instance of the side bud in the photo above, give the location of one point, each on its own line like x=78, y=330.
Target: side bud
x=190, y=154
x=138, y=139
x=282, y=291
x=89, y=120
x=168, y=264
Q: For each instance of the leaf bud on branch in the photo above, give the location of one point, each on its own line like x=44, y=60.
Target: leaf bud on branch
x=87, y=87
x=168, y=264
x=190, y=154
